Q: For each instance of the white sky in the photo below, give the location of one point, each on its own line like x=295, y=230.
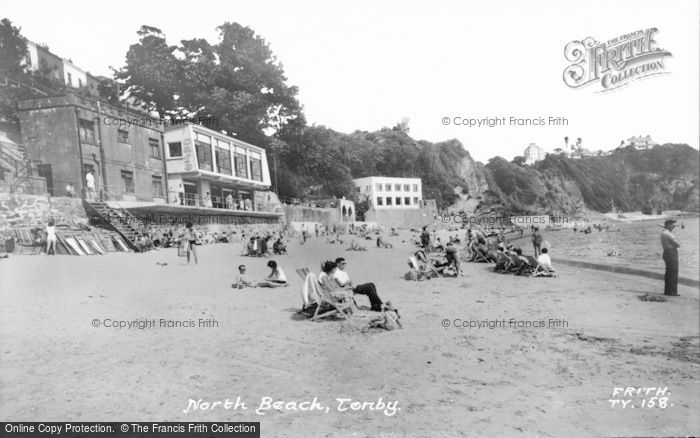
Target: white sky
x=365, y=64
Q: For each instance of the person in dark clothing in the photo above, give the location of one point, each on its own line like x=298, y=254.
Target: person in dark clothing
x=536, y=241
x=425, y=238
x=343, y=279
x=670, y=246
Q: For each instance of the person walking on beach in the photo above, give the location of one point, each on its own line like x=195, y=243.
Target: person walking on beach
x=670, y=246
x=425, y=238
x=536, y=240
x=191, y=242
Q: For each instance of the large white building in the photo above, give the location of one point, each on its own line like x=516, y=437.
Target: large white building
x=533, y=154
x=383, y=192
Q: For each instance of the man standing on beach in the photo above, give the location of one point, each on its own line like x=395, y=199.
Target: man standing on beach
x=536, y=241
x=670, y=246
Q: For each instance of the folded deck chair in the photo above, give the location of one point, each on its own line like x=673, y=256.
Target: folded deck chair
x=537, y=269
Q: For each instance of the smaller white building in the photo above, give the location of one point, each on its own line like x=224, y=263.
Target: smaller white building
x=384, y=192
x=533, y=154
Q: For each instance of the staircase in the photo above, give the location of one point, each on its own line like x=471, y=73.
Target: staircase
x=117, y=219
x=13, y=160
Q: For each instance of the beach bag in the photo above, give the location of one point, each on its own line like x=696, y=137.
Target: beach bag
x=182, y=250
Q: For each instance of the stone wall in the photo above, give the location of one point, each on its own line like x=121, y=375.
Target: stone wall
x=402, y=218
x=323, y=216
x=35, y=211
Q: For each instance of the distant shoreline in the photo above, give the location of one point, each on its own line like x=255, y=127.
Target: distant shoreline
x=636, y=216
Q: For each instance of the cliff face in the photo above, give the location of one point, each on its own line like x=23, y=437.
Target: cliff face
x=665, y=177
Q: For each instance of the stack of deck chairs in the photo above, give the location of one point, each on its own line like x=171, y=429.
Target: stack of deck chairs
x=30, y=241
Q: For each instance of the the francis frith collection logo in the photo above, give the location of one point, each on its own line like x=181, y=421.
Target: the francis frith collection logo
x=614, y=63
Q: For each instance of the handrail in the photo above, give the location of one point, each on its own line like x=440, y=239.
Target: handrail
x=131, y=217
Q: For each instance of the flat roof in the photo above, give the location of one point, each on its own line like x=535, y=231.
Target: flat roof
x=212, y=132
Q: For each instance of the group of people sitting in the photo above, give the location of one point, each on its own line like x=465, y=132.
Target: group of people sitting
x=424, y=268
x=276, y=277
x=259, y=246
x=510, y=259
x=335, y=270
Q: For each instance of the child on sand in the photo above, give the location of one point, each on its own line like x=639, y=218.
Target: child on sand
x=242, y=280
x=389, y=320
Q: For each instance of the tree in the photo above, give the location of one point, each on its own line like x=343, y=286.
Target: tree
x=13, y=48
x=237, y=81
x=566, y=143
x=519, y=160
x=152, y=73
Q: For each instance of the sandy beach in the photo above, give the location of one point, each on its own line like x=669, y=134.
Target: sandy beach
x=442, y=380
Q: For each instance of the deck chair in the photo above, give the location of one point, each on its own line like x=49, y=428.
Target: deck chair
x=537, y=269
x=503, y=263
x=340, y=300
x=424, y=270
x=328, y=299
x=479, y=257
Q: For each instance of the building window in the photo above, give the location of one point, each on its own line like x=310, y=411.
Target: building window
x=379, y=187
x=241, y=168
x=70, y=80
x=154, y=145
x=406, y=187
x=175, y=149
x=87, y=131
x=415, y=201
x=387, y=187
x=380, y=200
x=397, y=187
x=415, y=187
x=398, y=200
x=122, y=136
x=80, y=83
x=255, y=169
x=157, y=183
x=128, y=182
x=223, y=161
x=204, y=156
x=357, y=189
x=406, y=201
x=388, y=200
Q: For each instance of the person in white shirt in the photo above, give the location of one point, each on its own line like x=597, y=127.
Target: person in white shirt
x=276, y=277
x=343, y=279
x=544, y=260
x=90, y=183
x=51, y=238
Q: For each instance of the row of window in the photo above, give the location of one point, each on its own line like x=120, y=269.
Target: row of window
x=396, y=201
x=128, y=186
x=202, y=145
x=87, y=135
x=223, y=160
x=397, y=187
